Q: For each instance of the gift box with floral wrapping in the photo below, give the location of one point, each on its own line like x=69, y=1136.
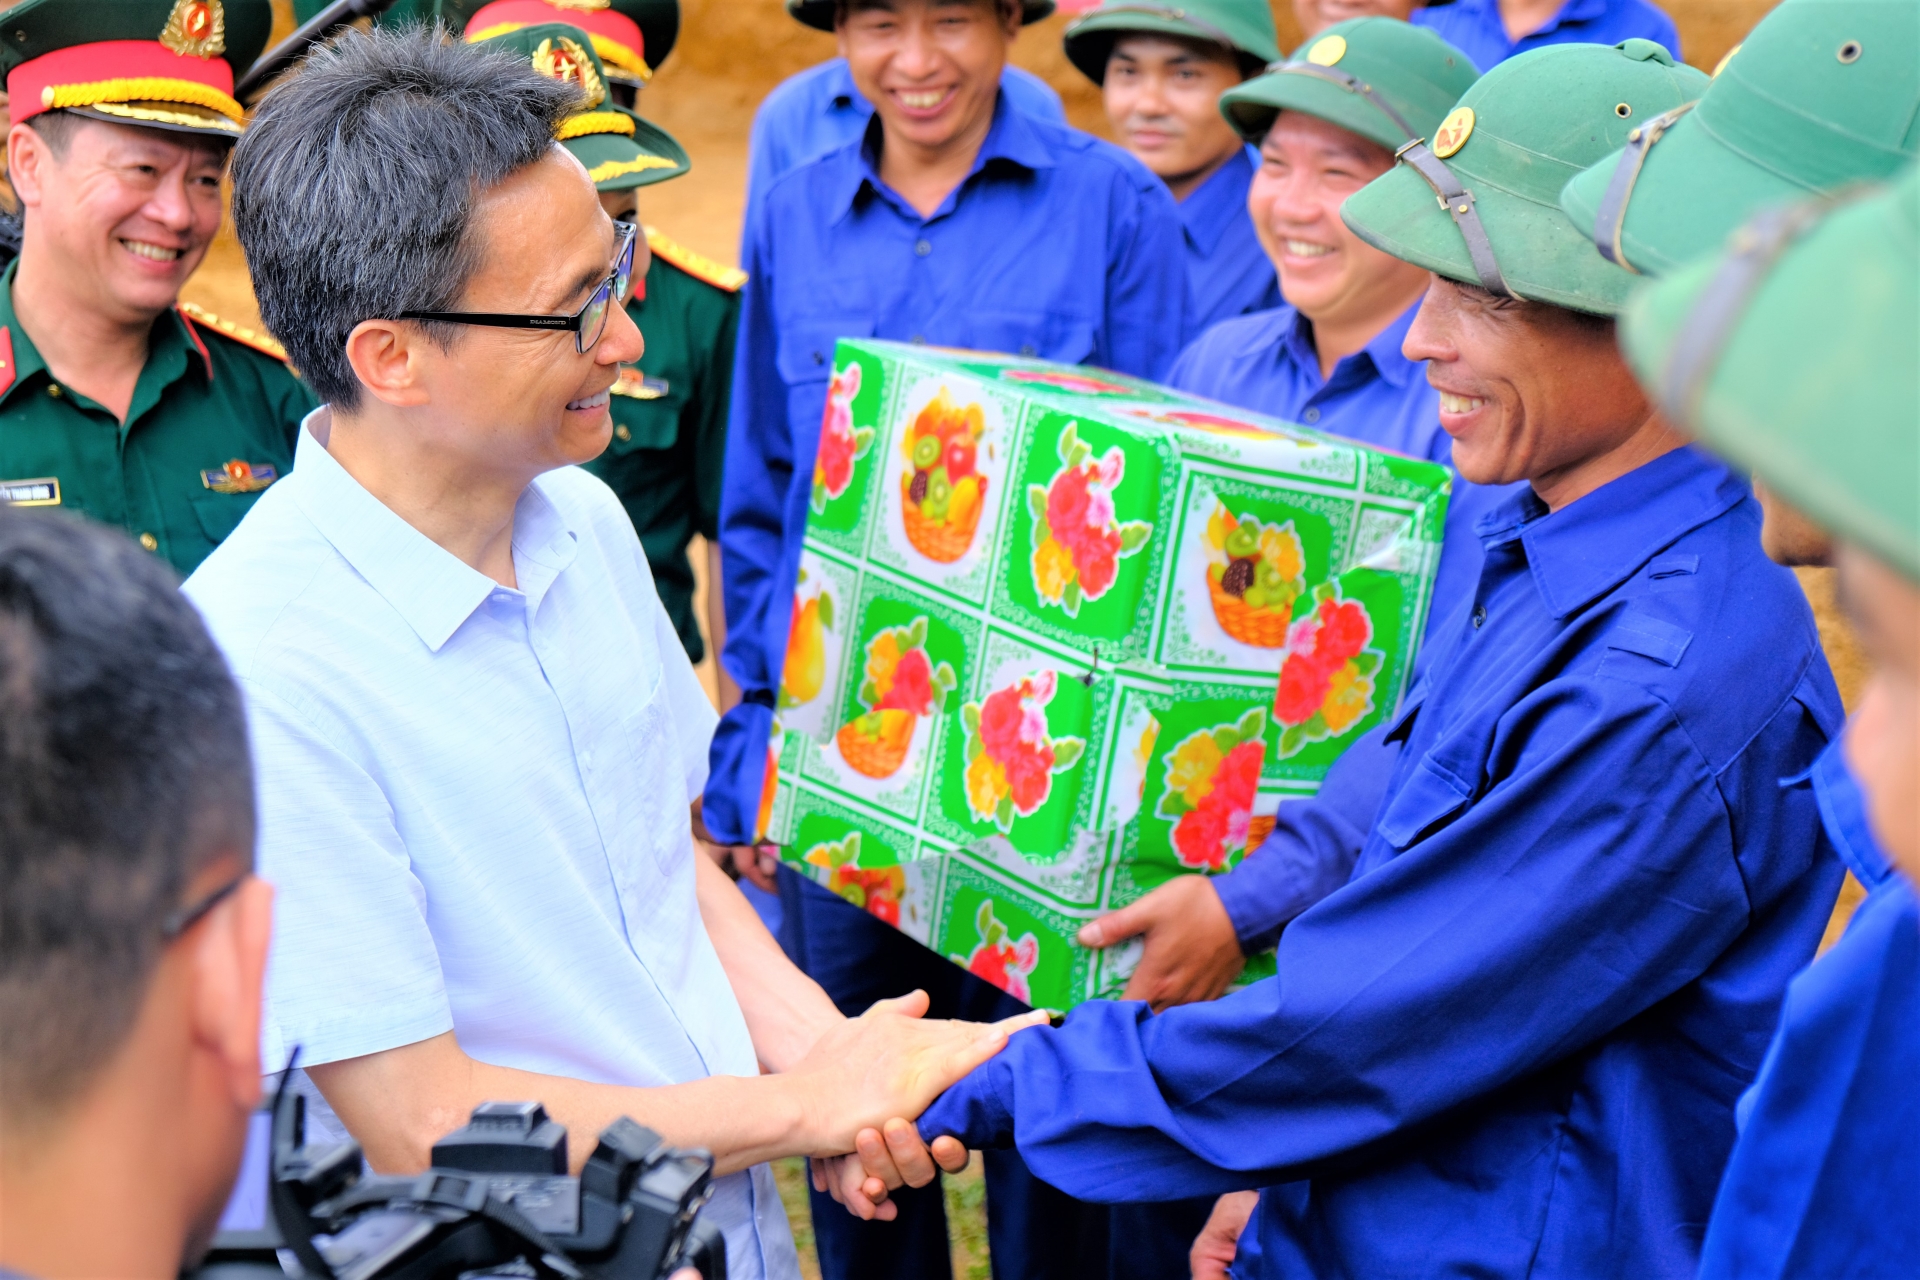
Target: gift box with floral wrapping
x=1060, y=634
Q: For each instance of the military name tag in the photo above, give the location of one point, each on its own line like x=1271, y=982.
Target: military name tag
x=239, y=477
x=43, y=491
x=640, y=386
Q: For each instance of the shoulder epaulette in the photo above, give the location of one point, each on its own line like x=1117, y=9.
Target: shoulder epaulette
x=697, y=265
x=262, y=342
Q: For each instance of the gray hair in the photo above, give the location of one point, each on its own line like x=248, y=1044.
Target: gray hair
x=354, y=187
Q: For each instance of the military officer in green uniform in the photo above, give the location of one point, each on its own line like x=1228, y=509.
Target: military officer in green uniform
x=117, y=400
x=669, y=410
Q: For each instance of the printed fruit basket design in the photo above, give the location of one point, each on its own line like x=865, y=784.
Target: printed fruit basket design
x=841, y=443
x=941, y=489
x=805, y=669
x=1077, y=542
x=1253, y=577
x=1006, y=964
x=1327, y=677
x=1212, y=778
x=902, y=688
x=875, y=890
x=1018, y=705
x=1011, y=755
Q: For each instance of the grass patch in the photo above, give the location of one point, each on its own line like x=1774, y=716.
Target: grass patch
x=966, y=1193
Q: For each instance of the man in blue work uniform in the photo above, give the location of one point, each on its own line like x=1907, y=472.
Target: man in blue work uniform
x=1517, y=1001
x=955, y=220
x=819, y=110
x=1762, y=351
x=1161, y=72
x=1491, y=31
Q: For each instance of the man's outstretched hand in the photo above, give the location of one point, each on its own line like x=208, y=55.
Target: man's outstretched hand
x=1192, y=952
x=888, y=1062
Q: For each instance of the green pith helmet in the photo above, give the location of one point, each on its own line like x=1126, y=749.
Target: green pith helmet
x=1243, y=26
x=1498, y=161
x=158, y=64
x=1822, y=93
x=1359, y=74
x=620, y=150
x=818, y=14
x=1794, y=354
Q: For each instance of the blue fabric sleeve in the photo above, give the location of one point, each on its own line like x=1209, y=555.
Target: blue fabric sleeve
x=1312, y=847
x=1147, y=294
x=1529, y=924
x=759, y=472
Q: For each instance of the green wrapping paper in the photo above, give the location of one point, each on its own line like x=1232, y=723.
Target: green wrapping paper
x=1060, y=635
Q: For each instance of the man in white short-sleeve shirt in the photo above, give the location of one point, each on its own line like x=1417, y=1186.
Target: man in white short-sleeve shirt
x=477, y=738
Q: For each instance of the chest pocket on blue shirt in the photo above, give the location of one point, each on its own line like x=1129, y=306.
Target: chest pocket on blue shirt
x=1047, y=335
x=806, y=346
x=1429, y=797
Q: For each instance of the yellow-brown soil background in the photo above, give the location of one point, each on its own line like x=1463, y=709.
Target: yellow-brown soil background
x=732, y=51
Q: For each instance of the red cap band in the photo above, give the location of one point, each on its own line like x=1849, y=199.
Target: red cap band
x=28, y=83
x=608, y=24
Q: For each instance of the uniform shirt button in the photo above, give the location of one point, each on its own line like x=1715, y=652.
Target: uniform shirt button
x=54, y=391
x=1311, y=416
x=621, y=433
x=1026, y=349
x=150, y=542
x=1479, y=616
x=919, y=339
x=923, y=247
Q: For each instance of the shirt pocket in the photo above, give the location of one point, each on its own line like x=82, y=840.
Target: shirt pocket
x=1042, y=334
x=805, y=353
x=219, y=514
x=646, y=425
x=1430, y=797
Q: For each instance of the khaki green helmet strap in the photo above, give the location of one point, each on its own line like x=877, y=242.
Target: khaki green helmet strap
x=1716, y=312
x=1351, y=83
x=1611, y=217
x=1458, y=202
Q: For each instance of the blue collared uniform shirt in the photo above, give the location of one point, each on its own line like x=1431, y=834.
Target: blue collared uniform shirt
x=1825, y=1177
x=1511, y=1044
x=819, y=110
x=1474, y=27
x=1228, y=270
x=1055, y=245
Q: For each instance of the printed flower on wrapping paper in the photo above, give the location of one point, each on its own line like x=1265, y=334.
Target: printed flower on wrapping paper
x=1212, y=776
x=1327, y=675
x=1077, y=542
x=805, y=670
x=875, y=890
x=942, y=492
x=1011, y=756
x=1007, y=965
x=840, y=444
x=1254, y=574
x=901, y=687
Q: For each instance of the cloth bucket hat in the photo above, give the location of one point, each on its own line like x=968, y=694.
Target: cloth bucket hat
x=818, y=14
x=1481, y=204
x=620, y=150
x=159, y=64
x=1384, y=79
x=1822, y=93
x=1244, y=26
x=1793, y=353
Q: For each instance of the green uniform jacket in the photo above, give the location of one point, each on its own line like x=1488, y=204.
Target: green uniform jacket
x=670, y=419
x=212, y=423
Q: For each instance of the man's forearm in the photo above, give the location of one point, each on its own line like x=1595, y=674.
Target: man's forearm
x=786, y=1011
x=398, y=1103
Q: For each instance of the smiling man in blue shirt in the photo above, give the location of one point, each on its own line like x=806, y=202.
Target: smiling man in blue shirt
x=1161, y=72
x=1507, y=1039
x=960, y=221
x=1491, y=31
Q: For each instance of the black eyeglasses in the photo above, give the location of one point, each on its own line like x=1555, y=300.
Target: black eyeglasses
x=586, y=324
x=184, y=918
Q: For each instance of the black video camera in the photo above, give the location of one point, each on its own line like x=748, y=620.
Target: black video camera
x=497, y=1202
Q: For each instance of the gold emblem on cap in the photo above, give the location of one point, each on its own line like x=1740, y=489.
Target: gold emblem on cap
x=562, y=58
x=1327, y=50
x=1453, y=132
x=581, y=6
x=196, y=29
